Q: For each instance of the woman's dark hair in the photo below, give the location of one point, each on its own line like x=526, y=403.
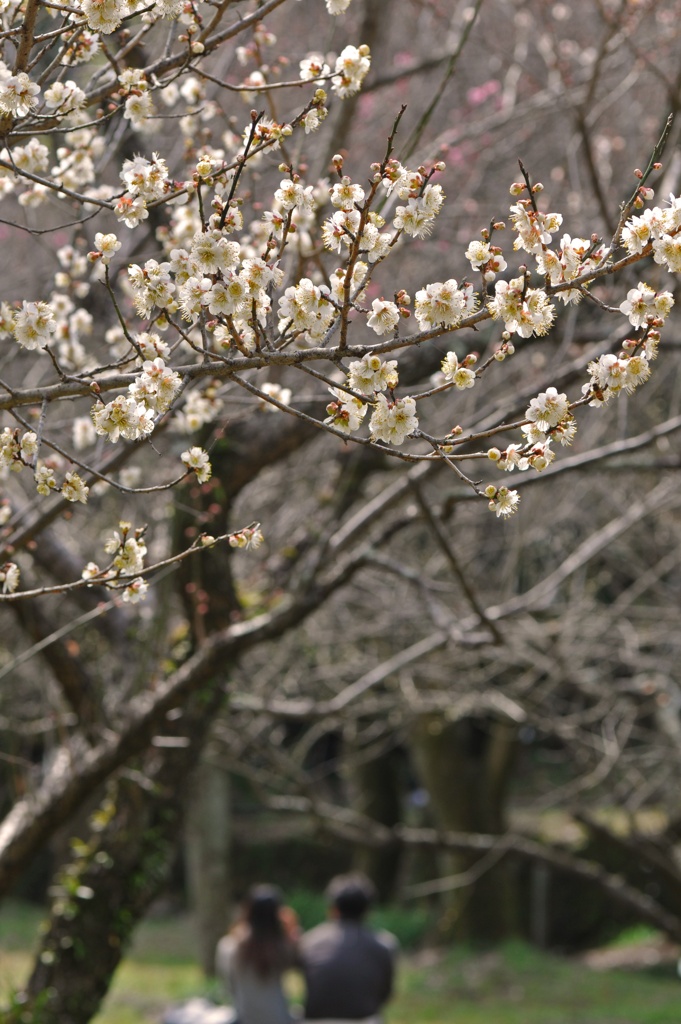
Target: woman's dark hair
x=265, y=948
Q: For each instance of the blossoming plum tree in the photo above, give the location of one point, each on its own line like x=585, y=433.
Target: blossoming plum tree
x=208, y=276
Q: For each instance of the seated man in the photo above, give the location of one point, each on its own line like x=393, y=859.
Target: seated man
x=348, y=967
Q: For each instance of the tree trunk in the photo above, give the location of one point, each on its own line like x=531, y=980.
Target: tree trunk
x=376, y=791
x=207, y=845
x=466, y=768
x=115, y=874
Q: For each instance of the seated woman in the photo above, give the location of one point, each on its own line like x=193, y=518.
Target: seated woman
x=252, y=958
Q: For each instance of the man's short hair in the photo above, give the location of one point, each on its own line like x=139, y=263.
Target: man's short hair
x=351, y=895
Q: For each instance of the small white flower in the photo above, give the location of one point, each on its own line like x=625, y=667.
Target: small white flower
x=548, y=409
x=135, y=591
x=73, y=488
x=503, y=501
x=384, y=317
x=371, y=374
x=197, y=459
x=393, y=422
x=9, y=577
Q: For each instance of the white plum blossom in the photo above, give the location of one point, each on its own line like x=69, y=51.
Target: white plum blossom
x=340, y=229
x=521, y=457
x=352, y=67
x=374, y=244
x=196, y=459
x=9, y=577
x=460, y=374
x=336, y=7
x=371, y=374
x=478, y=253
x=502, y=500
x=10, y=454
x=278, y=393
x=83, y=432
x=443, y=304
x=293, y=195
x=64, y=97
x=611, y=374
x=156, y=386
x=28, y=446
x=45, y=480
x=135, y=591
x=384, y=317
x=227, y=296
x=152, y=286
x=33, y=157
x=34, y=324
x=346, y=412
x=564, y=432
x=576, y=257
x=313, y=118
x=74, y=489
x=667, y=252
x=525, y=314
x=345, y=195
x=643, y=305
x=393, y=422
x=313, y=67
x=305, y=308
x=103, y=15
x=131, y=210
x=18, y=94
x=416, y=218
x=250, y=537
x=139, y=107
x=123, y=417
x=359, y=272
x=128, y=551
x=107, y=245
x=535, y=230
x=640, y=230
x=193, y=295
x=200, y=407
x=145, y=178
x=548, y=409
x=210, y=253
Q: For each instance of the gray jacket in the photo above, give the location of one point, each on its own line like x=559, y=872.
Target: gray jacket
x=348, y=970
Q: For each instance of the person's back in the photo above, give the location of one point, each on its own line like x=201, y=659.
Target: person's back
x=348, y=967
x=250, y=961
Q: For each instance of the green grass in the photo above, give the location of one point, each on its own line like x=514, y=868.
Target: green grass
x=514, y=984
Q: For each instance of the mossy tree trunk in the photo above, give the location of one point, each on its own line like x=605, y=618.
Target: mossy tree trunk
x=466, y=768
x=117, y=869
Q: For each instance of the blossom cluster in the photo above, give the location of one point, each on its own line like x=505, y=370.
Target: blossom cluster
x=305, y=274
x=132, y=416
x=18, y=452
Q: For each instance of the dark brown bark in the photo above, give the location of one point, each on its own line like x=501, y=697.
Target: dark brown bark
x=117, y=872
x=377, y=792
x=466, y=768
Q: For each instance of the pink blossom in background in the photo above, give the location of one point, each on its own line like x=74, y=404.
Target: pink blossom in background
x=481, y=93
x=403, y=59
x=366, y=105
